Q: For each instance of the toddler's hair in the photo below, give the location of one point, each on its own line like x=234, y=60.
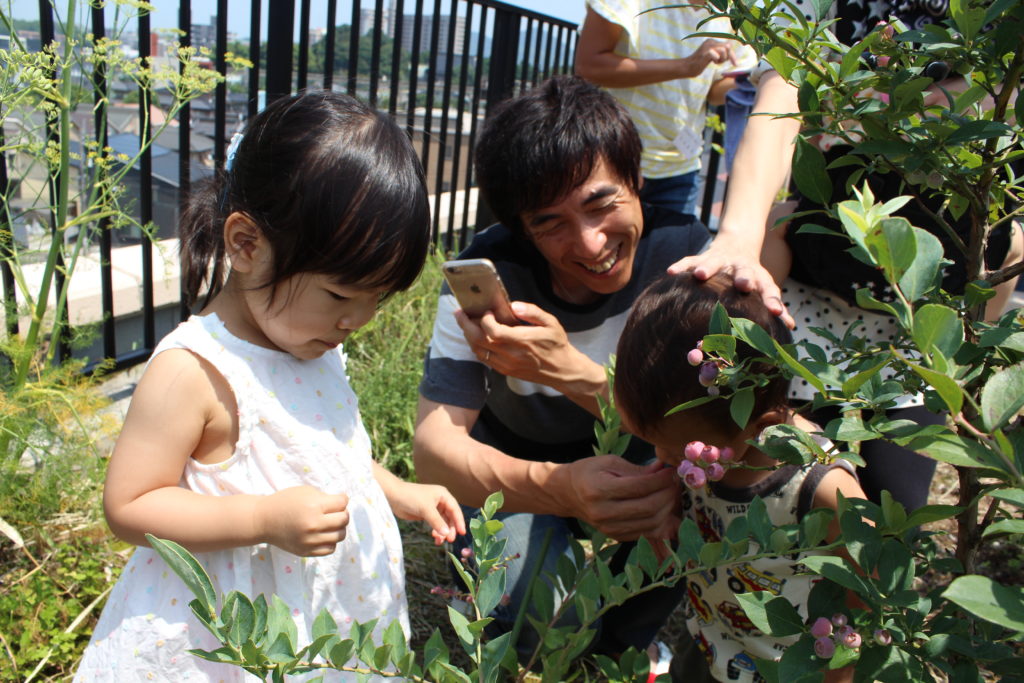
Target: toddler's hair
x=335, y=187
x=652, y=375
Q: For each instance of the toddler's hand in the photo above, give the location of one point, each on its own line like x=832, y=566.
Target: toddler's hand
x=303, y=520
x=433, y=505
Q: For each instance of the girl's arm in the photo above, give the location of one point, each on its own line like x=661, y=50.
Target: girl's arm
x=183, y=408
x=429, y=503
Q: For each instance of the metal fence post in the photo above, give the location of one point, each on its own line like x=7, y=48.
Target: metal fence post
x=280, y=26
x=501, y=82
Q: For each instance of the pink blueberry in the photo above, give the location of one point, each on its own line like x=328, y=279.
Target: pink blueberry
x=715, y=472
x=684, y=467
x=821, y=628
x=710, y=454
x=693, y=450
x=824, y=648
x=883, y=637
x=726, y=455
x=695, y=478
x=694, y=357
x=839, y=619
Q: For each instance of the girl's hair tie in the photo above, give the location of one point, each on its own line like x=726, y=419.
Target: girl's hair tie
x=236, y=141
x=229, y=162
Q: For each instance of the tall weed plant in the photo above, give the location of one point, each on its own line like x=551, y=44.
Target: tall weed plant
x=55, y=561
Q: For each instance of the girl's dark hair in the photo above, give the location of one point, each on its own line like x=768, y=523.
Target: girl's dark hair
x=335, y=187
x=540, y=146
x=652, y=375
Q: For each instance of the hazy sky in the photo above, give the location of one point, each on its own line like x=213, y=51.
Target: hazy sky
x=238, y=11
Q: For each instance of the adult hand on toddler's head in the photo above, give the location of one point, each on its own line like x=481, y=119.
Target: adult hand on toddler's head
x=302, y=520
x=431, y=504
x=731, y=255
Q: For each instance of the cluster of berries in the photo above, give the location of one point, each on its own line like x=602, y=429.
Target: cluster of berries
x=704, y=463
x=709, y=369
x=829, y=633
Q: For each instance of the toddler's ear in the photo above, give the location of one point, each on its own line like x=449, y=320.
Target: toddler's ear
x=770, y=418
x=243, y=242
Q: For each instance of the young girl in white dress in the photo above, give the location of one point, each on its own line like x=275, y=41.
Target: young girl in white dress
x=243, y=441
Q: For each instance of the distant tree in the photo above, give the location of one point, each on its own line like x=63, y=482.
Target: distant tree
x=318, y=54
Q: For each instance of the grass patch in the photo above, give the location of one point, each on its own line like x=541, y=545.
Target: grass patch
x=385, y=366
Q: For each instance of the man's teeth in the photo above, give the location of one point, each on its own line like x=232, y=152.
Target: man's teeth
x=603, y=266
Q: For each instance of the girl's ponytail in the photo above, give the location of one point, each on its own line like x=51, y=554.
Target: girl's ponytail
x=201, y=239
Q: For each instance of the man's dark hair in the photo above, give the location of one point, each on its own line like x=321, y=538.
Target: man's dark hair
x=652, y=375
x=538, y=147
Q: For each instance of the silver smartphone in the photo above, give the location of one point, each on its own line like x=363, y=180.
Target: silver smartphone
x=478, y=289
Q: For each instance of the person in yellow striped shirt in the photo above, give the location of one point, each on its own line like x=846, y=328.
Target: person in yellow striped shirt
x=648, y=57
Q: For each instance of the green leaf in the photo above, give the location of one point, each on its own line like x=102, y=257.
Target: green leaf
x=280, y=623
x=461, y=627
x=341, y=653
x=719, y=323
x=758, y=522
x=865, y=300
x=754, y=335
x=978, y=130
x=324, y=624
x=1005, y=526
x=814, y=526
x=1013, y=496
x=938, y=327
x=490, y=591
x=854, y=383
x=723, y=344
x=239, y=617
x=741, y=405
x=691, y=404
x=281, y=649
x=948, y=447
x=797, y=367
x=188, y=569
x=895, y=567
x=894, y=247
x=1002, y=397
x=1018, y=107
x=809, y=172
x=435, y=650
x=988, y=600
x=799, y=660
x=949, y=391
x=929, y=514
x=495, y=651
x=772, y=615
x=690, y=541
x=837, y=569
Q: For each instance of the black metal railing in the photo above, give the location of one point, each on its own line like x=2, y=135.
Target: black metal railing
x=439, y=70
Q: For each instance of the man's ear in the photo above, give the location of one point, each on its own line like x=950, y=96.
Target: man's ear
x=244, y=243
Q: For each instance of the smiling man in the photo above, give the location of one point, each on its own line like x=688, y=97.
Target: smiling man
x=511, y=408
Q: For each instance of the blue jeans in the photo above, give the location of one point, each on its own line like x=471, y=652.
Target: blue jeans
x=634, y=623
x=678, y=193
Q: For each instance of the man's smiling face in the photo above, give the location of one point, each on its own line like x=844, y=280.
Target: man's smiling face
x=589, y=237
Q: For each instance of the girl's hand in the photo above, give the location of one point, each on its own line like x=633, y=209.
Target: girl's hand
x=431, y=504
x=302, y=520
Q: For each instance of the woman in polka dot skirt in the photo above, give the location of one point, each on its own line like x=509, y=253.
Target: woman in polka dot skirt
x=823, y=275
x=243, y=441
